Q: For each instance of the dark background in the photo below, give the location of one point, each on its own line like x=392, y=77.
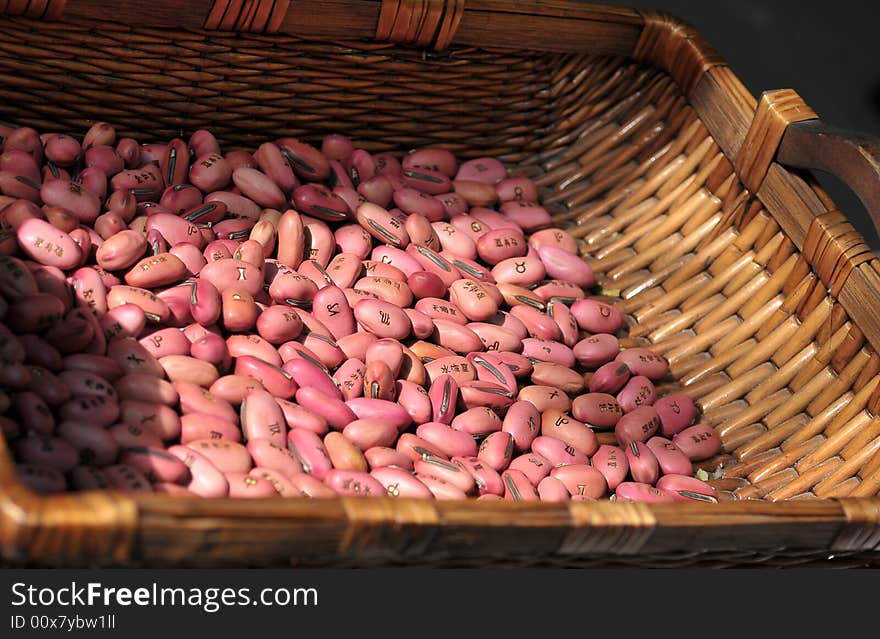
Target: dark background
x=829, y=52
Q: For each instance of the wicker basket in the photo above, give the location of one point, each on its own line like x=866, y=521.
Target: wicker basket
x=761, y=294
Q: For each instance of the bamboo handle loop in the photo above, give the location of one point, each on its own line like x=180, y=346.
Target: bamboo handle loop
x=776, y=110
x=424, y=23
x=34, y=9
x=256, y=16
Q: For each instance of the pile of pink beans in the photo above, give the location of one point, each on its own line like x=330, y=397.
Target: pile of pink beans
x=304, y=321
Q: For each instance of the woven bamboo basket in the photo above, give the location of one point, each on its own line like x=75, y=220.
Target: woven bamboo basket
x=729, y=260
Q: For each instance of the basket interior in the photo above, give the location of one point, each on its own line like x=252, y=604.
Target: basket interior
x=704, y=273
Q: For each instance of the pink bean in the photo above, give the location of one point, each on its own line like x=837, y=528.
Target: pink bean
x=600, y=410
x=261, y=418
x=501, y=244
x=344, y=269
x=206, y=479
x=698, y=442
x=441, y=490
x=127, y=479
x=330, y=306
x=195, y=426
x=455, y=337
x=443, y=395
x=568, y=327
x=126, y=435
x=333, y=410
x=273, y=163
x=275, y=380
x=166, y=341
x=414, y=400
x=400, y=483
x=309, y=374
x=299, y=417
x=88, y=478
x=528, y=215
x=47, y=386
x=642, y=361
x=638, y=425
x=97, y=410
x=354, y=483
x=557, y=376
x=562, y=265
x=414, y=447
x=47, y=245
x=311, y=486
x=43, y=450
x=670, y=457
x=437, y=308
x=422, y=325
x=278, y=324
x=483, y=169
x=382, y=456
x=366, y=408
x=517, y=486
x=548, y=351
x=227, y=456
x=379, y=223
x=34, y=350
x=195, y=399
x=612, y=462
x=557, y=424
x=282, y=485
x=353, y=239
x=609, y=378
x=544, y=397
x=537, y=323
x=450, y=441
x=596, y=350
x=33, y=413
x=488, y=394
x=472, y=269
x=676, y=411
x=520, y=366
x=638, y=392
x=581, y=480
x=382, y=318
x=156, y=464
x=552, y=490
x=472, y=298
x=268, y=454
x=370, y=433
x=641, y=492
x=686, y=488
x=211, y=348
x=533, y=466
x=563, y=291
x=349, y=378
x=413, y=201
x=643, y=464
x=496, y=450
x=522, y=271
x=74, y=197
x=435, y=263
x=597, y=317
x=490, y=368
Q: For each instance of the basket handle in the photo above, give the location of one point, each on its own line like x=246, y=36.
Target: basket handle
x=785, y=130
x=852, y=157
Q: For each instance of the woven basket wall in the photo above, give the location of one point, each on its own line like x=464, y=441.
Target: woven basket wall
x=741, y=272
